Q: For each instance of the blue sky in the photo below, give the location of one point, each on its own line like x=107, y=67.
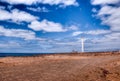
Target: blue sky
x=49, y=26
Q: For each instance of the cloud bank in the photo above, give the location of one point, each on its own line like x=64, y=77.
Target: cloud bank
x=50, y=2
x=110, y=15
x=104, y=2
x=16, y=16
x=19, y=33
x=47, y=26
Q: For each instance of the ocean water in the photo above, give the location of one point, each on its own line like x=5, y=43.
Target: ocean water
x=20, y=54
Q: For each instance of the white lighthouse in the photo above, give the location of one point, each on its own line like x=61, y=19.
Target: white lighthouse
x=82, y=43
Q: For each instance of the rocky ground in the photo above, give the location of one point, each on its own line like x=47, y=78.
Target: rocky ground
x=61, y=68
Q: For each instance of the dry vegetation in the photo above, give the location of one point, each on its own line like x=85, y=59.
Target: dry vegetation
x=73, y=67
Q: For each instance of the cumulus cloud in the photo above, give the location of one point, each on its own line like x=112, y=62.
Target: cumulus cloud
x=50, y=2
x=19, y=33
x=110, y=15
x=38, y=9
x=76, y=33
x=103, y=2
x=16, y=16
x=47, y=26
x=28, y=2
x=113, y=17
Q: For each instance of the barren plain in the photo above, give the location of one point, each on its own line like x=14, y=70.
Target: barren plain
x=73, y=67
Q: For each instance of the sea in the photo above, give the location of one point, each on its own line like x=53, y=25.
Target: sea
x=21, y=54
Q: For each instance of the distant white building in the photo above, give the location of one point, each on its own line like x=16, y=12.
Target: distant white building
x=82, y=43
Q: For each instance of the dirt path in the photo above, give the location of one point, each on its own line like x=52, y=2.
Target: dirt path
x=60, y=68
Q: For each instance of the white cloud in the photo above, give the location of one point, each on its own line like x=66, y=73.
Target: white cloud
x=38, y=9
x=9, y=44
x=4, y=15
x=47, y=26
x=50, y=2
x=107, y=38
x=28, y=2
x=110, y=15
x=19, y=33
x=91, y=32
x=103, y=46
x=68, y=43
x=16, y=16
x=73, y=27
x=113, y=19
x=76, y=33
x=113, y=36
x=103, y=2
x=98, y=32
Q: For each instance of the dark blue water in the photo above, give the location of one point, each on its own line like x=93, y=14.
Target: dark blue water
x=21, y=54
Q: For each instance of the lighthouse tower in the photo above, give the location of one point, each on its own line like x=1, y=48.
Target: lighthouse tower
x=82, y=43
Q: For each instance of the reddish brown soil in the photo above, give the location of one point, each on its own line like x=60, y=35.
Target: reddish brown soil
x=61, y=68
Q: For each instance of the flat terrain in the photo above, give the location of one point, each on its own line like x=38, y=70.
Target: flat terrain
x=61, y=68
